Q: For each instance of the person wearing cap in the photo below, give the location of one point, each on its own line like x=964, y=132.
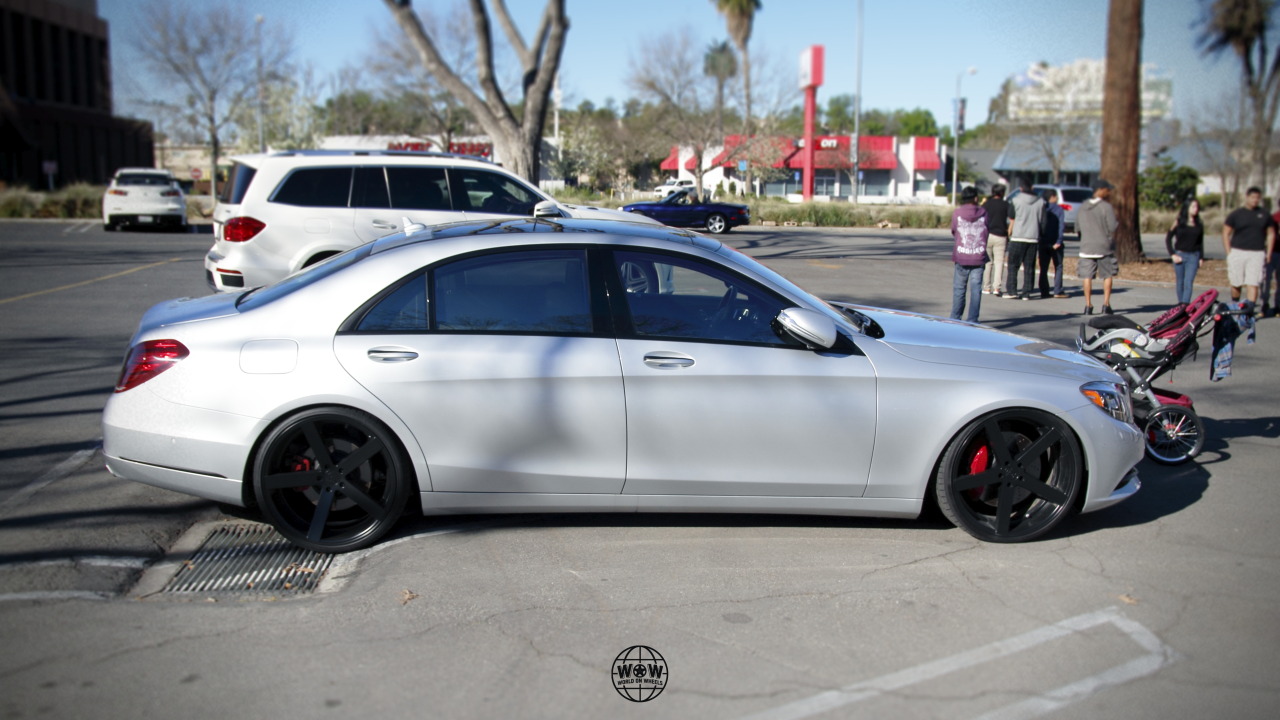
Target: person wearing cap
x=969, y=228
x=1248, y=238
x=1097, y=225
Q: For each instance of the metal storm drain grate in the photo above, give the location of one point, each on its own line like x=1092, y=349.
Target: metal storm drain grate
x=249, y=559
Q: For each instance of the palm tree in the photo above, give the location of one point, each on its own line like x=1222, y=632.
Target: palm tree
x=1241, y=26
x=1122, y=121
x=721, y=64
x=738, y=17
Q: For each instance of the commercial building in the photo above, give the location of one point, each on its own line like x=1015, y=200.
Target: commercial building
x=56, y=125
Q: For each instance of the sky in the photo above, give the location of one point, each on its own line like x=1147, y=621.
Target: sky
x=913, y=50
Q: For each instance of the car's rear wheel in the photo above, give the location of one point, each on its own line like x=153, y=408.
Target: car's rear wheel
x=717, y=223
x=1010, y=476
x=331, y=479
x=1174, y=433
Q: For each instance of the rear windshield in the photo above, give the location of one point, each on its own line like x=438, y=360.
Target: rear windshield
x=237, y=184
x=1076, y=196
x=154, y=179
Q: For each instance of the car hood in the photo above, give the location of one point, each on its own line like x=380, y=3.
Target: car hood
x=950, y=342
x=588, y=212
x=184, y=310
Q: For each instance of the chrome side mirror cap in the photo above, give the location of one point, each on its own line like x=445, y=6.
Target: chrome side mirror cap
x=547, y=208
x=815, y=330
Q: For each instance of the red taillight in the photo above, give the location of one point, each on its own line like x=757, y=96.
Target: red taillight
x=170, y=193
x=240, y=229
x=117, y=192
x=147, y=360
x=1066, y=206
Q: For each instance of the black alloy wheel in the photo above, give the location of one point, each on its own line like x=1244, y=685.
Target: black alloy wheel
x=332, y=480
x=1010, y=476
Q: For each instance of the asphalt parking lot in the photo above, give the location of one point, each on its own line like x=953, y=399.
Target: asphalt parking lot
x=1161, y=607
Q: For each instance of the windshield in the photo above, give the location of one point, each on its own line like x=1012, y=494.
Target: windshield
x=304, y=277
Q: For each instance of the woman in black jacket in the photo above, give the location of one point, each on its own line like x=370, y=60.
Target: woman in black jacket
x=1185, y=243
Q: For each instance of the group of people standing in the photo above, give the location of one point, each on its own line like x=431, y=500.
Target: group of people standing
x=1002, y=238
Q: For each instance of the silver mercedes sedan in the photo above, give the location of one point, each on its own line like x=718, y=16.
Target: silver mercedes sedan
x=571, y=365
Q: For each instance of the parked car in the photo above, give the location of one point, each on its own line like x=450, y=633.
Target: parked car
x=145, y=197
x=673, y=185
x=282, y=212
x=1070, y=197
x=683, y=209
x=571, y=365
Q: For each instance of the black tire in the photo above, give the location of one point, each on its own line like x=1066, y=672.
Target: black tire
x=717, y=223
x=331, y=480
x=1174, y=434
x=109, y=226
x=1016, y=488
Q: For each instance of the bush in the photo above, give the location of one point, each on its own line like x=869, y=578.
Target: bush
x=1166, y=185
x=18, y=202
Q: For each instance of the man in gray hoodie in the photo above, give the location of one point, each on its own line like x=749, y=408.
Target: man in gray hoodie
x=1097, y=224
x=1026, y=211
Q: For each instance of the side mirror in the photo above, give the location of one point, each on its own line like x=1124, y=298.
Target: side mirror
x=547, y=208
x=815, y=330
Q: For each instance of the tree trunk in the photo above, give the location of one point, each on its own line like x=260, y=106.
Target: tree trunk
x=1122, y=122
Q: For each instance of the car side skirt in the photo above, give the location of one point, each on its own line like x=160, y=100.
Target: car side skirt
x=210, y=487
x=454, y=503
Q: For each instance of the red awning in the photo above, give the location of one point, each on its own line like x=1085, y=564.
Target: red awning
x=832, y=154
x=876, y=153
x=927, y=154
x=780, y=147
x=692, y=163
x=673, y=160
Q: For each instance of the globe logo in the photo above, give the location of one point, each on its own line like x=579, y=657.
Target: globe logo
x=639, y=673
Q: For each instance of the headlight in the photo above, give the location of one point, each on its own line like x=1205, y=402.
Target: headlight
x=1111, y=398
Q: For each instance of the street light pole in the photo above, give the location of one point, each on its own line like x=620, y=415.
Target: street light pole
x=955, y=132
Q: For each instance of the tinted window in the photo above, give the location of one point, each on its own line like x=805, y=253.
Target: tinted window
x=1076, y=196
x=689, y=299
x=404, y=310
x=369, y=188
x=543, y=291
x=316, y=187
x=418, y=188
x=237, y=184
x=144, y=179
x=484, y=191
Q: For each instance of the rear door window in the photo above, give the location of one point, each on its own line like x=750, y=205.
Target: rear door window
x=418, y=188
x=370, y=188
x=316, y=187
x=481, y=191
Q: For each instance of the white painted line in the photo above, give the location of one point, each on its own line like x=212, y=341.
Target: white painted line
x=56, y=473
x=56, y=595
x=1158, y=655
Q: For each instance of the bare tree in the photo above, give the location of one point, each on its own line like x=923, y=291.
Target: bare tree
x=1059, y=142
x=1122, y=121
x=669, y=78
x=517, y=134
x=203, y=52
x=1222, y=145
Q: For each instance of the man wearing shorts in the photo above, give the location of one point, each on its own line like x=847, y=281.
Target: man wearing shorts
x=1097, y=225
x=1248, y=238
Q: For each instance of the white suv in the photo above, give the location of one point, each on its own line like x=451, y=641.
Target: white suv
x=674, y=185
x=281, y=212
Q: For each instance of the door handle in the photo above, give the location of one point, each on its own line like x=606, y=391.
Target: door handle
x=667, y=360
x=384, y=225
x=391, y=355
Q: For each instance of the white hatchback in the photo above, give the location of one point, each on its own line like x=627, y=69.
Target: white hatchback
x=144, y=196
x=281, y=212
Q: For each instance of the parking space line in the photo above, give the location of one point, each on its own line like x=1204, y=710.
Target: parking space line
x=87, y=282
x=57, y=472
x=1158, y=655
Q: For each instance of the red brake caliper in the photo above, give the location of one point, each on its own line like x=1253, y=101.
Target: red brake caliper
x=979, y=462
x=302, y=464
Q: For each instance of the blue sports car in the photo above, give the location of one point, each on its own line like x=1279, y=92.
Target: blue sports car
x=682, y=209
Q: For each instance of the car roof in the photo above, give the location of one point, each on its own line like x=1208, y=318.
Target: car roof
x=614, y=228
x=256, y=160
x=140, y=170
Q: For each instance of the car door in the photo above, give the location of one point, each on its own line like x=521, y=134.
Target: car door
x=384, y=196
x=718, y=403
x=503, y=366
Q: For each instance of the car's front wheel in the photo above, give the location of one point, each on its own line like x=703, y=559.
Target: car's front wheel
x=717, y=223
x=1010, y=476
x=331, y=479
